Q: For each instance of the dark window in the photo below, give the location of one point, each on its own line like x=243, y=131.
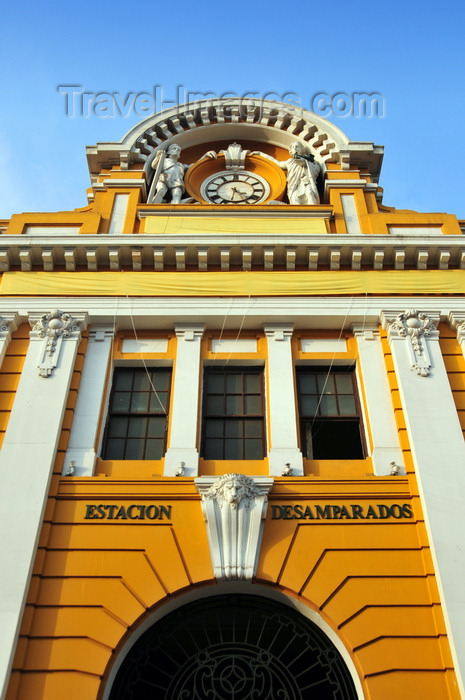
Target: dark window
x=330, y=424
x=233, y=647
x=233, y=415
x=136, y=426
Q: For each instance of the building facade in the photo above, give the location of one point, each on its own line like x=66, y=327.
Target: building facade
x=232, y=408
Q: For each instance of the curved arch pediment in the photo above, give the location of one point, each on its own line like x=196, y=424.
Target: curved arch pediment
x=268, y=122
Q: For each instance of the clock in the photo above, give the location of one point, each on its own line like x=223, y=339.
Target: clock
x=235, y=187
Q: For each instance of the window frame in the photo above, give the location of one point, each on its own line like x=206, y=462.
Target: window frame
x=354, y=451
x=111, y=413
x=228, y=418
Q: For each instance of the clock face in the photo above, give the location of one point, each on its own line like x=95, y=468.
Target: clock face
x=240, y=187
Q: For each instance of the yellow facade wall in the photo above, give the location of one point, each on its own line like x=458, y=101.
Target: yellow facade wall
x=370, y=579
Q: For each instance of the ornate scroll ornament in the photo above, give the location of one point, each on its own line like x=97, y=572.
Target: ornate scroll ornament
x=234, y=506
x=415, y=326
x=234, y=157
x=53, y=328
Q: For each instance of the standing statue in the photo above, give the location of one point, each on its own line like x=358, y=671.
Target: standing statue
x=302, y=172
x=169, y=175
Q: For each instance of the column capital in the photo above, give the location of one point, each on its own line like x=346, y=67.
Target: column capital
x=457, y=322
x=52, y=329
x=410, y=323
x=189, y=331
x=278, y=331
x=8, y=324
x=366, y=331
x=101, y=333
x=414, y=327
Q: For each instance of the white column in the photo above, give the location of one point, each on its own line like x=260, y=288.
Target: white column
x=82, y=441
x=386, y=448
x=282, y=405
x=438, y=451
x=8, y=324
x=182, y=453
x=26, y=464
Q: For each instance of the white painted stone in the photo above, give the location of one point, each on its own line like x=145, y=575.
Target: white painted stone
x=349, y=208
x=51, y=230
x=26, y=463
x=118, y=214
x=84, y=431
x=385, y=447
x=234, y=508
x=182, y=451
x=323, y=345
x=234, y=345
x=281, y=400
x=438, y=452
x=144, y=345
x=415, y=230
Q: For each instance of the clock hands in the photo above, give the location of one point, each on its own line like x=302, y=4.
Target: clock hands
x=234, y=190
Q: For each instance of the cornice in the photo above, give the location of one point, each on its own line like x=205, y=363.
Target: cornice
x=230, y=251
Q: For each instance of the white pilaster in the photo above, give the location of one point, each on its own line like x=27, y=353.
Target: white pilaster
x=386, y=448
x=438, y=451
x=82, y=441
x=349, y=208
x=281, y=398
x=8, y=324
x=182, y=453
x=26, y=463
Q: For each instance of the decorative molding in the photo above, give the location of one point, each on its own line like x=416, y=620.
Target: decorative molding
x=53, y=328
x=8, y=325
x=414, y=326
x=279, y=331
x=315, y=251
x=234, y=507
x=234, y=156
x=366, y=331
x=189, y=332
x=457, y=322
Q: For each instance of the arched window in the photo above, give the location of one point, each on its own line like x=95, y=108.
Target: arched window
x=233, y=647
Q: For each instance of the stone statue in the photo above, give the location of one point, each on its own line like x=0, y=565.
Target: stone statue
x=302, y=172
x=169, y=175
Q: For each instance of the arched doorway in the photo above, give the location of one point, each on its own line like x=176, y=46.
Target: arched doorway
x=233, y=647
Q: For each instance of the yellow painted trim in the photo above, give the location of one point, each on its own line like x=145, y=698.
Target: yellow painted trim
x=88, y=220
x=243, y=225
x=210, y=284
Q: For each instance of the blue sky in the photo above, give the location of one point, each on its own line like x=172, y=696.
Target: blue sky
x=409, y=52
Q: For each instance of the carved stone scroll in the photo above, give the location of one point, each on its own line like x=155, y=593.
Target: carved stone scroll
x=234, y=506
